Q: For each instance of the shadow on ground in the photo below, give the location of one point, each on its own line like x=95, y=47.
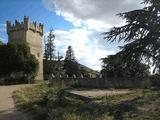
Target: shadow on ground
x=13, y=114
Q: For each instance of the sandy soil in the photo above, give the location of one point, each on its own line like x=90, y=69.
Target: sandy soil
x=7, y=107
x=98, y=92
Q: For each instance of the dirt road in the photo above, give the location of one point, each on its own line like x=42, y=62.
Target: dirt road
x=7, y=107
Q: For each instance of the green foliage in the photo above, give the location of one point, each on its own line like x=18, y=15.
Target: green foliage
x=54, y=67
x=115, y=67
x=155, y=80
x=70, y=54
x=26, y=97
x=50, y=46
x=52, y=104
x=55, y=105
x=49, y=66
x=141, y=33
x=141, y=104
x=71, y=68
x=70, y=64
x=17, y=64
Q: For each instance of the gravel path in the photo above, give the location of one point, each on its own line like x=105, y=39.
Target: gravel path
x=7, y=108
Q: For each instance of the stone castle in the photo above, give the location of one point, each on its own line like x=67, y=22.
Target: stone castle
x=30, y=33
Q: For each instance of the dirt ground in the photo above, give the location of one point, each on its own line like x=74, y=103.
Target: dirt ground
x=9, y=112
x=7, y=107
x=92, y=93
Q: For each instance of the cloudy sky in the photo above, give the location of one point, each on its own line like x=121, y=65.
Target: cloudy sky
x=78, y=23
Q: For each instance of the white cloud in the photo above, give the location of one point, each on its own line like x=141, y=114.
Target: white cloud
x=3, y=27
x=49, y=4
x=2, y=39
x=90, y=18
x=81, y=12
x=87, y=51
x=2, y=31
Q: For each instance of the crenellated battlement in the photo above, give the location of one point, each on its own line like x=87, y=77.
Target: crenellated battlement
x=25, y=25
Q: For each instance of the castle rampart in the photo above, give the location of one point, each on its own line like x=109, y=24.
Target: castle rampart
x=31, y=33
x=25, y=25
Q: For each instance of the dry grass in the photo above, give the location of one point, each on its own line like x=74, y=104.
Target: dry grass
x=140, y=104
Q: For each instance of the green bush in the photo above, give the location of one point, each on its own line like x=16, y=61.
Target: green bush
x=155, y=80
x=17, y=64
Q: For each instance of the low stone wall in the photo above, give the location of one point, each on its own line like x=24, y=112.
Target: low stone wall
x=104, y=83
x=112, y=83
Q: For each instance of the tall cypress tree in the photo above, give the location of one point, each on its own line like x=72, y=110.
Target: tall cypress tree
x=70, y=54
x=49, y=54
x=70, y=64
x=50, y=46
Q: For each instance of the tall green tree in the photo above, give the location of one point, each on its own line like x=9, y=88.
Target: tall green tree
x=70, y=64
x=49, y=54
x=70, y=54
x=50, y=46
x=140, y=33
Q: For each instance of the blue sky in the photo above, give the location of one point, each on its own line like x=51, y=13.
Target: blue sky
x=78, y=23
x=17, y=9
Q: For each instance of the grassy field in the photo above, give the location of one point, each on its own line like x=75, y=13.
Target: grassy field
x=51, y=104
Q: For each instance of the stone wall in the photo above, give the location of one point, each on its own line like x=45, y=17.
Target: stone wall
x=104, y=83
x=35, y=43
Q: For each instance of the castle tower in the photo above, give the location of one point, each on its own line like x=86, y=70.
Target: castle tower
x=31, y=33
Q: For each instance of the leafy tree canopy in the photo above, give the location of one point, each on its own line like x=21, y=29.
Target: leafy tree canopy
x=17, y=59
x=141, y=33
x=115, y=67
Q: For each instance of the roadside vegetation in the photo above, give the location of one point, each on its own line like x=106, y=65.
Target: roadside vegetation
x=49, y=103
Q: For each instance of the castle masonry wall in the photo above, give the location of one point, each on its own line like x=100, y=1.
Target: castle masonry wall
x=31, y=33
x=34, y=40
